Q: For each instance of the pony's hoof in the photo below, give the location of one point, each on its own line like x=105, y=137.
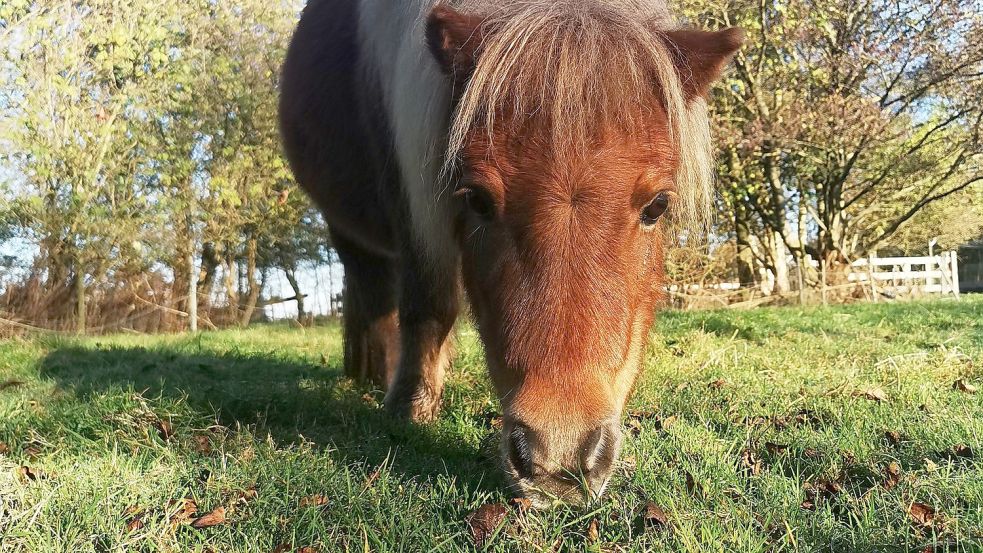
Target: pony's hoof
x=421, y=407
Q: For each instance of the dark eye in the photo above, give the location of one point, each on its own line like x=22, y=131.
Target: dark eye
x=655, y=209
x=477, y=201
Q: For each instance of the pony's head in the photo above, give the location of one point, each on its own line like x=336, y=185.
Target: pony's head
x=579, y=149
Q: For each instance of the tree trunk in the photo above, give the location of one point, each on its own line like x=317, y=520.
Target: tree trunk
x=80, y=307
x=745, y=255
x=292, y=279
x=253, y=287
x=192, y=276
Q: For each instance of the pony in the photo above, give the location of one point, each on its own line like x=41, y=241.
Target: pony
x=534, y=156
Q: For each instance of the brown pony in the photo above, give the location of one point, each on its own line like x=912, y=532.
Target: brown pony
x=544, y=153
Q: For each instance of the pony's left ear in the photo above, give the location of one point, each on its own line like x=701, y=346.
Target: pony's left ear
x=454, y=39
x=701, y=56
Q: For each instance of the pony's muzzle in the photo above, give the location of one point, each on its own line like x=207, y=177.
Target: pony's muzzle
x=570, y=467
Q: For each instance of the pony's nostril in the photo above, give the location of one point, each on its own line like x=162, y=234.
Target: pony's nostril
x=520, y=452
x=597, y=450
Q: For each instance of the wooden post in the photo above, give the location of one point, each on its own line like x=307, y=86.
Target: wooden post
x=870, y=276
x=954, y=260
x=822, y=266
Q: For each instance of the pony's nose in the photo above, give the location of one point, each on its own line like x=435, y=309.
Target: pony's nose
x=559, y=467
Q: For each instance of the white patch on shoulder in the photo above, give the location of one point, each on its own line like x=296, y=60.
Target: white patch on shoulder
x=417, y=96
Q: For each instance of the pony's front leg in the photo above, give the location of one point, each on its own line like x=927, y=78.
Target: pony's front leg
x=428, y=307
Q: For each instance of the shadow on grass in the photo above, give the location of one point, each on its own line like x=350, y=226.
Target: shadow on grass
x=288, y=399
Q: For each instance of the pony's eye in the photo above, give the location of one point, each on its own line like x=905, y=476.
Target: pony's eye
x=477, y=202
x=655, y=209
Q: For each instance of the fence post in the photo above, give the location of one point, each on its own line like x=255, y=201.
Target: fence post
x=954, y=259
x=870, y=276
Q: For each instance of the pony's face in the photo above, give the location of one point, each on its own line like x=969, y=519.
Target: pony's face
x=562, y=259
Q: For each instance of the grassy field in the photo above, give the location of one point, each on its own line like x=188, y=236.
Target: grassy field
x=833, y=429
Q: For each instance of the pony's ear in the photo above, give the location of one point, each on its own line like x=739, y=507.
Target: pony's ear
x=454, y=39
x=701, y=56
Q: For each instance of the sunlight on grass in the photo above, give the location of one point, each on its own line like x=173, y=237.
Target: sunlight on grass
x=765, y=430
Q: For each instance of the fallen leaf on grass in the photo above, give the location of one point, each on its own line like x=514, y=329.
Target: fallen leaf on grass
x=165, y=429
x=717, y=384
x=750, y=464
x=654, y=517
x=4, y=448
x=964, y=386
x=873, y=394
x=183, y=509
x=692, y=486
x=202, y=444
x=820, y=490
x=483, y=522
x=892, y=475
x=308, y=549
x=922, y=514
x=592, y=533
x=27, y=474
x=893, y=436
x=811, y=453
x=282, y=548
x=10, y=384
x=316, y=500
x=774, y=448
x=213, y=518
x=521, y=503
x=962, y=451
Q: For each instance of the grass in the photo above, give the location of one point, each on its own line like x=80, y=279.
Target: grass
x=753, y=431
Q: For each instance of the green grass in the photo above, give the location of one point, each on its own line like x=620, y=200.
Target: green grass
x=266, y=409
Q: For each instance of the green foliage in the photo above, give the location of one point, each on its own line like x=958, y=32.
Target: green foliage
x=842, y=124
x=267, y=409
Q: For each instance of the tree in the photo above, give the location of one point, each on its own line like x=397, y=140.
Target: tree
x=843, y=121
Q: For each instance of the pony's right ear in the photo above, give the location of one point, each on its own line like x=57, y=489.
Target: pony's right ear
x=454, y=39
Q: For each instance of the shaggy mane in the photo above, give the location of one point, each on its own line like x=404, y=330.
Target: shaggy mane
x=576, y=66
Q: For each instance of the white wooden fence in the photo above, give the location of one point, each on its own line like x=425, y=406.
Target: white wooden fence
x=935, y=274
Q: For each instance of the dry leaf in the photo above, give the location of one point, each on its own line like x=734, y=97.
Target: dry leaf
x=717, y=384
x=308, y=549
x=964, y=386
x=184, y=510
x=213, y=518
x=962, y=451
x=4, y=448
x=521, y=503
x=203, y=444
x=634, y=426
x=750, y=463
x=873, y=394
x=774, y=448
x=316, y=500
x=811, y=453
x=282, y=548
x=165, y=429
x=134, y=524
x=27, y=474
x=668, y=422
x=654, y=517
x=892, y=475
x=893, y=436
x=592, y=533
x=483, y=522
x=10, y=384
x=691, y=485
x=922, y=514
